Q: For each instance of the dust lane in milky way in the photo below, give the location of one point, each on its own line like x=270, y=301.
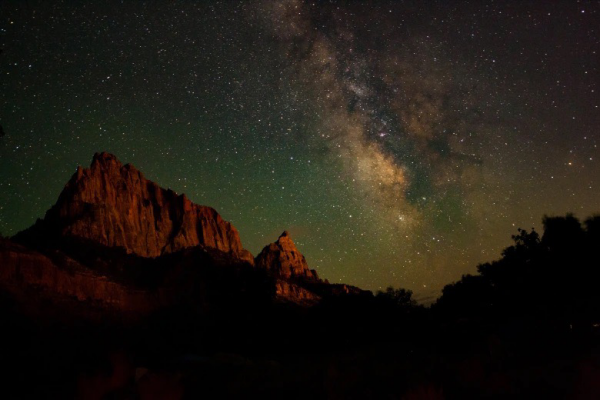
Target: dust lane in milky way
x=401, y=143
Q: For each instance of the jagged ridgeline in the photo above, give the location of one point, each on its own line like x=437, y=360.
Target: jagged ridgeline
x=116, y=206
x=117, y=241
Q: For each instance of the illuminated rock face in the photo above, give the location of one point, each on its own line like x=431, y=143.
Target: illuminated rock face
x=283, y=260
x=114, y=240
x=115, y=205
x=293, y=293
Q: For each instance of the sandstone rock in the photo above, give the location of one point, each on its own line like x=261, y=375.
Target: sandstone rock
x=290, y=292
x=283, y=260
x=23, y=271
x=111, y=209
x=115, y=205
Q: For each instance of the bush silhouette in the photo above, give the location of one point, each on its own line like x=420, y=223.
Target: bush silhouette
x=552, y=277
x=397, y=297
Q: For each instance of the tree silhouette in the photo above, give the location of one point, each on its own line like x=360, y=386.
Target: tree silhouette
x=397, y=297
x=552, y=277
x=563, y=234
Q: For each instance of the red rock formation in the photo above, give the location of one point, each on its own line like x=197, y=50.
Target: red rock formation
x=283, y=260
x=24, y=271
x=290, y=292
x=115, y=205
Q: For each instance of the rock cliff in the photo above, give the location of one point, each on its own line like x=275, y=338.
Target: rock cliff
x=283, y=260
x=119, y=241
x=293, y=293
x=116, y=206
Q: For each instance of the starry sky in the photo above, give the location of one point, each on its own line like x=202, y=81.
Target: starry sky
x=400, y=142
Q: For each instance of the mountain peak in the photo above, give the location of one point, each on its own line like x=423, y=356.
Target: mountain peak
x=104, y=157
x=106, y=162
x=114, y=205
x=283, y=259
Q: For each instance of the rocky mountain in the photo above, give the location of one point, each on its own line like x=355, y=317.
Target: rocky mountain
x=116, y=206
x=116, y=242
x=288, y=266
x=283, y=260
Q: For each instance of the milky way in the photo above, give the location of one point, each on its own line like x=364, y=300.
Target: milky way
x=401, y=143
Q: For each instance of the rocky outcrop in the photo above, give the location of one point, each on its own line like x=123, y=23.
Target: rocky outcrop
x=293, y=293
x=340, y=289
x=118, y=241
x=283, y=260
x=116, y=206
x=34, y=278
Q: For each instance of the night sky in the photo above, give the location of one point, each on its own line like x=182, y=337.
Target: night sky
x=401, y=143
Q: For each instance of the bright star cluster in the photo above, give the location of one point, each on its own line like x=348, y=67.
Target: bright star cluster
x=400, y=142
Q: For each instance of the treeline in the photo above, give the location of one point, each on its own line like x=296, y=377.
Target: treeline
x=553, y=277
